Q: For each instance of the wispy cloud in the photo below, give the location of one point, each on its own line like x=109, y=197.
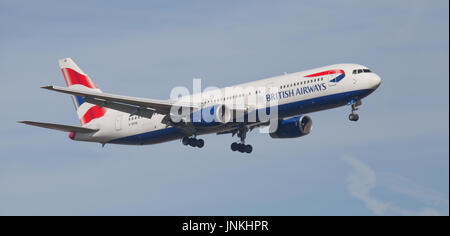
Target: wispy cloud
x=362, y=180
x=399, y=184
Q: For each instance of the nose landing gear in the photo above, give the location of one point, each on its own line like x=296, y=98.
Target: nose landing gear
x=353, y=116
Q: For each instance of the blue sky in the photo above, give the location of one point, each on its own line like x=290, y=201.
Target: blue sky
x=394, y=161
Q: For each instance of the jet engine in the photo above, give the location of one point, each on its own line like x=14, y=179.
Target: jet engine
x=293, y=127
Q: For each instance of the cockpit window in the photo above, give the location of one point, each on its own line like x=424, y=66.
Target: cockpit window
x=359, y=71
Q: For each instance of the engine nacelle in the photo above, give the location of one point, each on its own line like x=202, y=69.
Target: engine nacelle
x=211, y=116
x=293, y=127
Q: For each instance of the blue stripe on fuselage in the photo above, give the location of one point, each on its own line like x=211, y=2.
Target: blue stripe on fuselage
x=152, y=137
x=284, y=110
x=321, y=103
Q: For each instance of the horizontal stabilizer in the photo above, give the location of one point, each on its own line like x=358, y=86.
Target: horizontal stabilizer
x=159, y=106
x=64, y=128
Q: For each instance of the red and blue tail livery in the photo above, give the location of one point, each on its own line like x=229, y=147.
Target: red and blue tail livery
x=76, y=78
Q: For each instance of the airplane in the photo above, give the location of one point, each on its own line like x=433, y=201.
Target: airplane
x=116, y=119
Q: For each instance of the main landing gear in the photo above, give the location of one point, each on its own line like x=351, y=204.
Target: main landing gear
x=193, y=142
x=241, y=147
x=353, y=116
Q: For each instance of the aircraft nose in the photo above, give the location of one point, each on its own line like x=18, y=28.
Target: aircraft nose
x=375, y=81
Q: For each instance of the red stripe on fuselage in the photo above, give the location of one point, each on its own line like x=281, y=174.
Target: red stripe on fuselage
x=93, y=113
x=72, y=77
x=328, y=72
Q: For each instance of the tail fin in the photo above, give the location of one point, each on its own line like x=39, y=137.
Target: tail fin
x=76, y=78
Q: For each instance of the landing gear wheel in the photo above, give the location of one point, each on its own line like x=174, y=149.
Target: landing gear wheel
x=248, y=148
x=353, y=117
x=200, y=143
x=193, y=142
x=234, y=147
x=185, y=141
x=241, y=148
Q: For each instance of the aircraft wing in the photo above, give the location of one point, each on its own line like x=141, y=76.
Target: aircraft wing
x=234, y=129
x=133, y=105
x=64, y=128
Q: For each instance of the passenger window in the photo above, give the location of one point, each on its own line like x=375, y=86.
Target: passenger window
x=360, y=71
